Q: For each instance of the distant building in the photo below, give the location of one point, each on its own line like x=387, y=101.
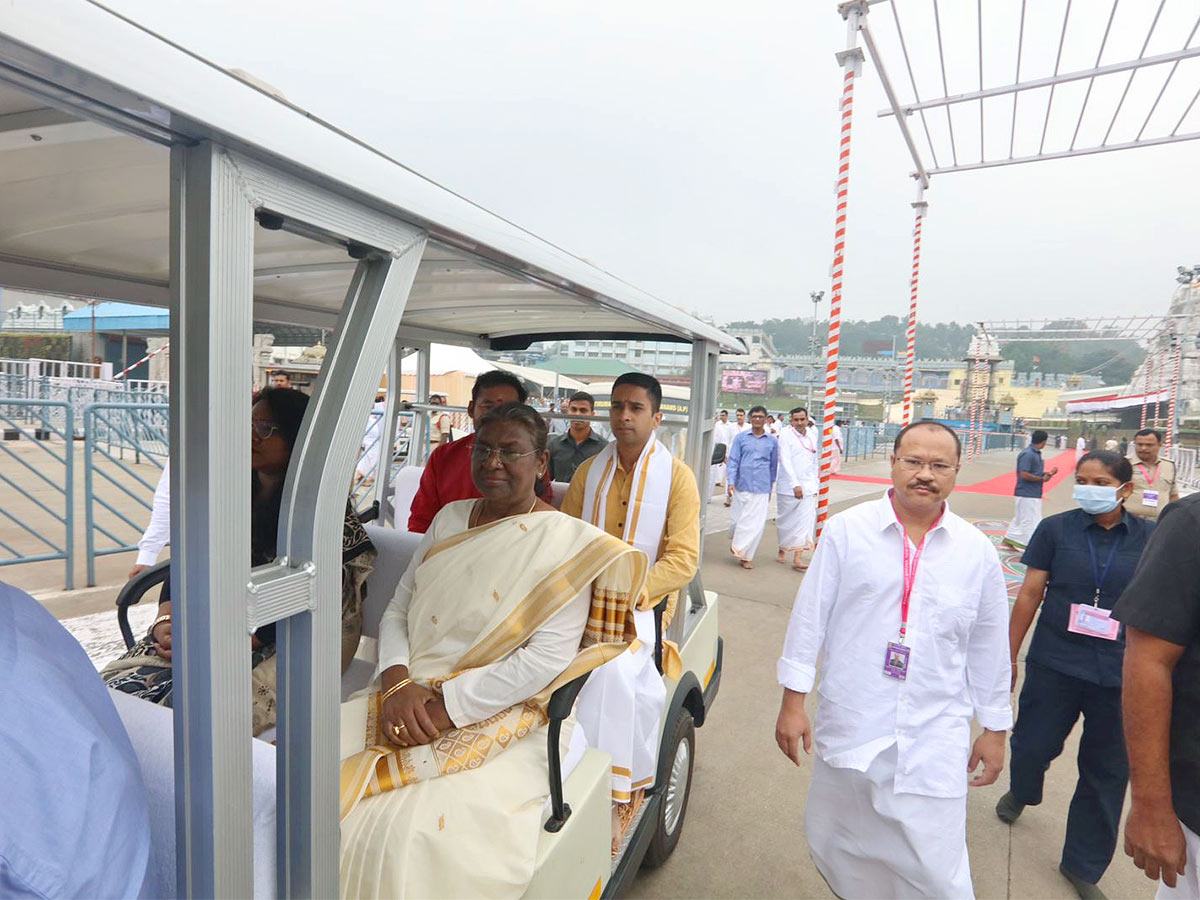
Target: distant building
x=589, y=370
x=652, y=357
x=43, y=316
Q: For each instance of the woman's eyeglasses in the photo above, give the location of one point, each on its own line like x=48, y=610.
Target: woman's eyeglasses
x=263, y=429
x=483, y=453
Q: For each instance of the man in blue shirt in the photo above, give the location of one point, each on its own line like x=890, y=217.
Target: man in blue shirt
x=753, y=462
x=1031, y=475
x=74, y=820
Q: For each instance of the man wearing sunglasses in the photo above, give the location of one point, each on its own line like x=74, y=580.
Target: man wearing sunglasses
x=447, y=475
x=907, y=601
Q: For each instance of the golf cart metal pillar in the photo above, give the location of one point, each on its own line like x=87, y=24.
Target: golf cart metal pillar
x=215, y=197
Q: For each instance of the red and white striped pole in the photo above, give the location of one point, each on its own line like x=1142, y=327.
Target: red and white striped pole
x=1176, y=362
x=851, y=61
x=1145, y=390
x=1158, y=383
x=910, y=357
x=149, y=356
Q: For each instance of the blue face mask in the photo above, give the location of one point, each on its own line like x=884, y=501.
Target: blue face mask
x=1096, y=498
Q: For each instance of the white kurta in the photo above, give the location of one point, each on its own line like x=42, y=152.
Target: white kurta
x=895, y=752
x=799, y=466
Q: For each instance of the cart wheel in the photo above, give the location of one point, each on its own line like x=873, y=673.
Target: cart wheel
x=675, y=792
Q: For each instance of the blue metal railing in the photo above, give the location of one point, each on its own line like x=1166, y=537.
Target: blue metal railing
x=143, y=428
x=17, y=415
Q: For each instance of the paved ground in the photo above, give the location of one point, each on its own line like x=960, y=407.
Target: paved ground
x=744, y=832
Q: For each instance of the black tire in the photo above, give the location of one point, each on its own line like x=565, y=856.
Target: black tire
x=676, y=791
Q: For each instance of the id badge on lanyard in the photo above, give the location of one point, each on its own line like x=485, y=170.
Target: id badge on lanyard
x=896, y=658
x=1150, y=498
x=1093, y=621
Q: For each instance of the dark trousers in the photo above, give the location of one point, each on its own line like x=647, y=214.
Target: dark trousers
x=1050, y=704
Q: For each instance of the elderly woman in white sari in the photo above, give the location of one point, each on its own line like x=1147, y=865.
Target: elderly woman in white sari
x=505, y=600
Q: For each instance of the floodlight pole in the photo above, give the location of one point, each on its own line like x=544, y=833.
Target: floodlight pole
x=851, y=60
x=910, y=356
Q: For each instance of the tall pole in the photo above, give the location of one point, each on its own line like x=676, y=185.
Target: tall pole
x=851, y=61
x=911, y=350
x=1177, y=348
x=1145, y=390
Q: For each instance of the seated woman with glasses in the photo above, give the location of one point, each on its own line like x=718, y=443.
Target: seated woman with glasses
x=505, y=600
x=145, y=669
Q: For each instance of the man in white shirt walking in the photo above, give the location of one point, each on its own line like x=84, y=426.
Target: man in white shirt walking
x=908, y=604
x=797, y=486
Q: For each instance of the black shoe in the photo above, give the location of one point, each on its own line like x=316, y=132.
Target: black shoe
x=1009, y=809
x=1085, y=889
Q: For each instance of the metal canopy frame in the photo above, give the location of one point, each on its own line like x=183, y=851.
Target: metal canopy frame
x=237, y=157
x=945, y=157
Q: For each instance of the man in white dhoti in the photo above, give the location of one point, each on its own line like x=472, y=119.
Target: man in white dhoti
x=635, y=490
x=753, y=464
x=907, y=605
x=1031, y=475
x=796, y=489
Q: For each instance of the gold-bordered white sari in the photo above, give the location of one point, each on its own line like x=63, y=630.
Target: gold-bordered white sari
x=479, y=595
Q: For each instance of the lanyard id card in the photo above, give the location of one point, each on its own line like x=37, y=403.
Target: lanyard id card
x=1093, y=622
x=1150, y=498
x=895, y=660
x=895, y=664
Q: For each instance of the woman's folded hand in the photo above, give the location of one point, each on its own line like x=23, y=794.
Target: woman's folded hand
x=405, y=712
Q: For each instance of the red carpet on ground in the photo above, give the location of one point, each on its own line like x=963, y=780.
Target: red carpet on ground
x=1001, y=485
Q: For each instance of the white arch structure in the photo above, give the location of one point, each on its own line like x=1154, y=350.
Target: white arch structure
x=958, y=131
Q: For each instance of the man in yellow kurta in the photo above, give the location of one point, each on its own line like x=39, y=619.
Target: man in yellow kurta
x=635, y=490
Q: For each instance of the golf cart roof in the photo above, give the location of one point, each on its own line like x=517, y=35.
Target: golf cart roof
x=85, y=205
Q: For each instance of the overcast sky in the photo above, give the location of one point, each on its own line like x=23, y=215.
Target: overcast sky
x=690, y=146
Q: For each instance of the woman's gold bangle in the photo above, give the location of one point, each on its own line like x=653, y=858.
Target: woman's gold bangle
x=395, y=689
x=159, y=621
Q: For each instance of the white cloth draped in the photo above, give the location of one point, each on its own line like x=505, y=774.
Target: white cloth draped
x=621, y=706
x=799, y=466
x=747, y=519
x=1026, y=517
x=907, y=845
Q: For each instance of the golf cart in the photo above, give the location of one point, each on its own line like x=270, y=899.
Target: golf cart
x=135, y=171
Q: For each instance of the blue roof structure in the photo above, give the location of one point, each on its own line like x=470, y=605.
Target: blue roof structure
x=113, y=316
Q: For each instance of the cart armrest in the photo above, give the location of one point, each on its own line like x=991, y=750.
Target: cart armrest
x=134, y=590
x=562, y=701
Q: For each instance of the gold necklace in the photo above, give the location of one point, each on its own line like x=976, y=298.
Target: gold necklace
x=478, y=513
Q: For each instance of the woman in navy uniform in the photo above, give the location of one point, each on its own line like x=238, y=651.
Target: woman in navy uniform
x=1078, y=562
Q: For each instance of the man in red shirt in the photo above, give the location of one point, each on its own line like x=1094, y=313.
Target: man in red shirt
x=447, y=475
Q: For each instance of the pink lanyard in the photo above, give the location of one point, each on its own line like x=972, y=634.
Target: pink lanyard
x=1150, y=479
x=810, y=447
x=911, y=561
